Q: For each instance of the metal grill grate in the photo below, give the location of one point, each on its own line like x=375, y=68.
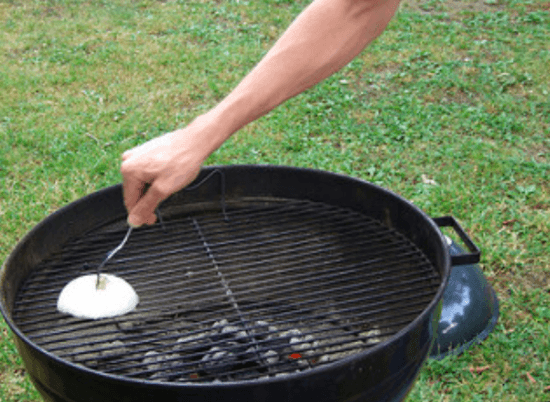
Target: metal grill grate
x=277, y=288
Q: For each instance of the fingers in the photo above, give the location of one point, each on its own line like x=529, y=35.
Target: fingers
x=142, y=192
x=132, y=185
x=154, y=170
x=144, y=210
x=133, y=189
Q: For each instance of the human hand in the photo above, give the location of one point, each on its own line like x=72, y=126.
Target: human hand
x=163, y=166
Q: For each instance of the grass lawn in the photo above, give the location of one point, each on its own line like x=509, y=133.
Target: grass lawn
x=449, y=108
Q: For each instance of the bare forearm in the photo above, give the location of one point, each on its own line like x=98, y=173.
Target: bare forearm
x=324, y=38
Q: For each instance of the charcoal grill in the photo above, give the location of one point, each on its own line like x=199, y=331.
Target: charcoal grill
x=262, y=283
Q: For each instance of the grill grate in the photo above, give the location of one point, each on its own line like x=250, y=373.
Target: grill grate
x=279, y=287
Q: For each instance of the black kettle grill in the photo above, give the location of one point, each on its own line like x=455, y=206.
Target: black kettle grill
x=262, y=283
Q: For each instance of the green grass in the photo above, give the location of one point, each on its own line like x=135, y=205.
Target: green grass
x=455, y=91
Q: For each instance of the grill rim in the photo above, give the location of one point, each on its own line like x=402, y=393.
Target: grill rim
x=113, y=197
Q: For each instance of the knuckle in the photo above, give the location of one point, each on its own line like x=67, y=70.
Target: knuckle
x=126, y=168
x=160, y=189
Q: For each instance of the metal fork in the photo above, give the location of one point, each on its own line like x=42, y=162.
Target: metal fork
x=110, y=255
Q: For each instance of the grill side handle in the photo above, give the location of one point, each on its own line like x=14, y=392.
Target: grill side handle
x=474, y=254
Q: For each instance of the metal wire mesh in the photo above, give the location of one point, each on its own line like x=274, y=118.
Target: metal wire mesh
x=275, y=288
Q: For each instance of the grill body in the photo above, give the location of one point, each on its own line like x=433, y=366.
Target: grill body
x=384, y=372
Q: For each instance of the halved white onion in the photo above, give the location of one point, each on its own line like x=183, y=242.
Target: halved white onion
x=114, y=296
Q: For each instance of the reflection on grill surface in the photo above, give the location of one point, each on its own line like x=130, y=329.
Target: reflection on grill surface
x=277, y=288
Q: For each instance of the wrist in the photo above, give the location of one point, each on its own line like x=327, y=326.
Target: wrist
x=205, y=134
x=232, y=113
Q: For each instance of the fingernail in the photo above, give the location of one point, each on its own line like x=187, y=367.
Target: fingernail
x=131, y=224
